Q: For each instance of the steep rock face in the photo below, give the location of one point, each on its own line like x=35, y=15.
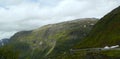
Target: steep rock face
x=59, y=37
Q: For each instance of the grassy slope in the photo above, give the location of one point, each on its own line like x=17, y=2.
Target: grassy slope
x=41, y=42
x=105, y=33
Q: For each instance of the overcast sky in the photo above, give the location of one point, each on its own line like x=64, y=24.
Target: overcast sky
x=18, y=15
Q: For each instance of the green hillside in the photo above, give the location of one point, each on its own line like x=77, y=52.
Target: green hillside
x=63, y=40
x=106, y=32
x=52, y=39
x=59, y=41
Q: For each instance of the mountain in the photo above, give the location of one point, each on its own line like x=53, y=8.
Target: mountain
x=105, y=33
x=1, y=43
x=4, y=41
x=51, y=40
x=77, y=39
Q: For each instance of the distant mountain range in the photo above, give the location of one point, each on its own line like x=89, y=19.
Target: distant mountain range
x=4, y=41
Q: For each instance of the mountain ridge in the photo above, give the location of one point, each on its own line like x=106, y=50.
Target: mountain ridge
x=60, y=36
